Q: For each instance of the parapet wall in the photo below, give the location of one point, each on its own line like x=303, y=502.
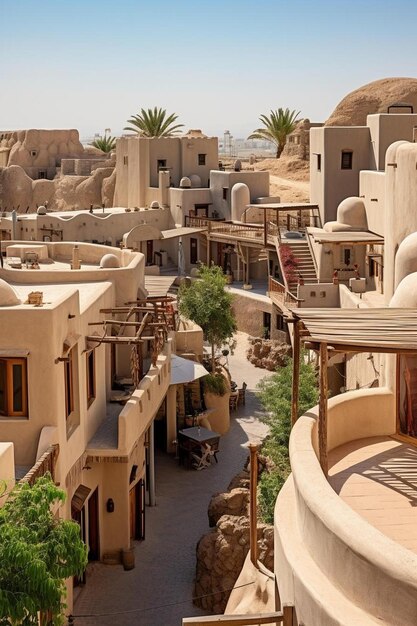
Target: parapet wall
x=335, y=567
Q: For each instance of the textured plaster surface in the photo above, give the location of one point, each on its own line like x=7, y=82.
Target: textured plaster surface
x=165, y=561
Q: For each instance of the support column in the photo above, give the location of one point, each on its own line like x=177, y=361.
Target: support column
x=323, y=361
x=238, y=267
x=253, y=449
x=152, y=499
x=247, y=284
x=171, y=410
x=295, y=373
x=208, y=252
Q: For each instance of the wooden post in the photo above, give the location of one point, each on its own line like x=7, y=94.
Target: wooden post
x=323, y=408
x=288, y=613
x=253, y=448
x=208, y=252
x=295, y=372
x=265, y=230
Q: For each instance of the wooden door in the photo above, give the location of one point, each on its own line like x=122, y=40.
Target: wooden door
x=137, y=511
x=93, y=528
x=149, y=252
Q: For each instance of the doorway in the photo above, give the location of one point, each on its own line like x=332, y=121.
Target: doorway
x=137, y=511
x=93, y=528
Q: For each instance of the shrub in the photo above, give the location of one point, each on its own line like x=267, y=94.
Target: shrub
x=215, y=384
x=275, y=395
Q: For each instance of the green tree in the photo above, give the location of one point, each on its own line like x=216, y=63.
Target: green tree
x=208, y=304
x=105, y=144
x=37, y=553
x=277, y=126
x=154, y=123
x=275, y=395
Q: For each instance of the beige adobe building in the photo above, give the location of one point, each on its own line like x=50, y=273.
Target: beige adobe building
x=81, y=389
x=346, y=550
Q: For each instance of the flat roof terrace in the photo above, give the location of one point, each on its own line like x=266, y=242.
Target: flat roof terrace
x=377, y=478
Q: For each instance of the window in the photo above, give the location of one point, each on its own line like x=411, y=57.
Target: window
x=193, y=250
x=69, y=384
x=13, y=387
x=280, y=324
x=42, y=174
x=161, y=163
x=224, y=193
x=202, y=159
x=347, y=160
x=318, y=162
x=347, y=256
x=33, y=153
x=91, y=377
x=125, y=160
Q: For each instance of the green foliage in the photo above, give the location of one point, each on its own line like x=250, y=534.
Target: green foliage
x=275, y=395
x=215, y=384
x=208, y=304
x=278, y=125
x=154, y=123
x=105, y=144
x=37, y=552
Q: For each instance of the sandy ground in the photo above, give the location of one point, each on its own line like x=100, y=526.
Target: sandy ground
x=158, y=591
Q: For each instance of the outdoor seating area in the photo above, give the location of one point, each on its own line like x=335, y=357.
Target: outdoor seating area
x=197, y=447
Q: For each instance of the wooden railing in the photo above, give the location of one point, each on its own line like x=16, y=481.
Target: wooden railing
x=45, y=463
x=284, y=617
x=194, y=221
x=283, y=294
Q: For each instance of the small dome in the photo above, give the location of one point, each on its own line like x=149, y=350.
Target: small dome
x=195, y=181
x=155, y=204
x=41, y=210
x=8, y=296
x=185, y=183
x=237, y=165
x=405, y=295
x=109, y=261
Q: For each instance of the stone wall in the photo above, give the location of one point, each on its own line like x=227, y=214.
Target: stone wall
x=221, y=553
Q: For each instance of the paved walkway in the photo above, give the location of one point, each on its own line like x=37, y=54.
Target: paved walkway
x=165, y=561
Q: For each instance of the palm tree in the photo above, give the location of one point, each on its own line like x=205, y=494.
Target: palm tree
x=105, y=144
x=278, y=125
x=154, y=123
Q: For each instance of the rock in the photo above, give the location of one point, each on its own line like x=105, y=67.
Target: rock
x=15, y=189
x=374, y=97
x=234, y=502
x=107, y=189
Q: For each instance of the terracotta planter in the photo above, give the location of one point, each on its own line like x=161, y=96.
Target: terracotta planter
x=220, y=418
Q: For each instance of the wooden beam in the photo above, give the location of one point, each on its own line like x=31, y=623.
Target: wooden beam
x=253, y=516
x=295, y=373
x=235, y=620
x=288, y=613
x=322, y=426
x=120, y=340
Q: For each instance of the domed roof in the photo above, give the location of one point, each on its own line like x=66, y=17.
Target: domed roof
x=185, y=183
x=154, y=204
x=8, y=296
x=41, y=210
x=109, y=261
x=374, y=97
x=405, y=296
x=195, y=181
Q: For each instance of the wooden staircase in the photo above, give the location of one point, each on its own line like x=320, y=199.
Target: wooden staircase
x=306, y=270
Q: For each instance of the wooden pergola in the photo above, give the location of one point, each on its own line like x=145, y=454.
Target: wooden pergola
x=155, y=315
x=328, y=331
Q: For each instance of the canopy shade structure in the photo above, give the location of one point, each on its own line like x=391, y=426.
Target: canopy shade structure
x=360, y=330
x=185, y=371
x=158, y=285
x=285, y=206
x=181, y=231
x=347, y=237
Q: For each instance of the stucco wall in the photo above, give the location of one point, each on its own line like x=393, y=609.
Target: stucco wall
x=342, y=570
x=332, y=184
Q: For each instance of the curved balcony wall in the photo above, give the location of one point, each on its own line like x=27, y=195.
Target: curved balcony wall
x=330, y=563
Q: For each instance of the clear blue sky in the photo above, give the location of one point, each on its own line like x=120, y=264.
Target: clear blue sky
x=89, y=64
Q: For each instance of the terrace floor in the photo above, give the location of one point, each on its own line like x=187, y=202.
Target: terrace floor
x=377, y=477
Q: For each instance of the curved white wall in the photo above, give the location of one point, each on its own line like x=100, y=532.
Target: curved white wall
x=335, y=567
